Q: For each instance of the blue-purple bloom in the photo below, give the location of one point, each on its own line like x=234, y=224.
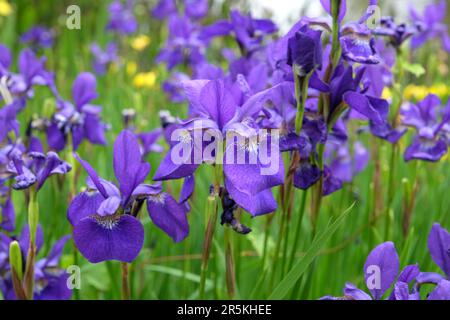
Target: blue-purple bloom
x=121, y=17
x=80, y=120
x=103, y=58
x=430, y=143
x=50, y=279
x=431, y=25
x=35, y=168
x=104, y=216
x=38, y=37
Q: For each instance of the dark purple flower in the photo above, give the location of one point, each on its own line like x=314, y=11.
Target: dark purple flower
x=35, y=167
x=305, y=51
x=396, y=34
x=7, y=214
x=104, y=216
x=380, y=271
x=173, y=86
x=31, y=72
x=121, y=17
x=38, y=37
x=103, y=58
x=249, y=32
x=196, y=9
x=346, y=162
x=431, y=25
x=430, y=143
x=213, y=107
x=81, y=120
x=184, y=45
x=164, y=8
x=50, y=279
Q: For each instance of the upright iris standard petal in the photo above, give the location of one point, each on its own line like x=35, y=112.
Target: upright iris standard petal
x=129, y=169
x=305, y=51
x=381, y=269
x=439, y=247
x=109, y=238
x=168, y=215
x=93, y=175
x=83, y=90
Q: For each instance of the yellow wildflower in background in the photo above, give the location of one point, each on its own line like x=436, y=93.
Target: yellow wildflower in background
x=387, y=93
x=145, y=79
x=131, y=68
x=140, y=42
x=5, y=8
x=414, y=92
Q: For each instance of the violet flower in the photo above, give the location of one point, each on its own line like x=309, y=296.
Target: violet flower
x=212, y=104
x=35, y=168
x=249, y=32
x=81, y=121
x=121, y=17
x=7, y=212
x=431, y=25
x=396, y=34
x=430, y=142
x=38, y=37
x=50, y=279
x=103, y=58
x=380, y=271
x=164, y=9
x=31, y=72
x=104, y=216
x=184, y=45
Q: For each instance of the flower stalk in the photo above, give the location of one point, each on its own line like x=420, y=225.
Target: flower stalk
x=33, y=220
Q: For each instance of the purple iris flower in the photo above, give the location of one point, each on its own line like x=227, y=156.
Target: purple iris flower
x=430, y=142
x=196, y=9
x=7, y=214
x=104, y=216
x=121, y=17
x=8, y=118
x=50, y=279
x=346, y=162
x=249, y=32
x=35, y=168
x=305, y=51
x=38, y=37
x=380, y=271
x=357, y=42
x=396, y=34
x=439, y=247
x=184, y=45
x=31, y=72
x=173, y=86
x=164, y=8
x=213, y=105
x=82, y=120
x=103, y=58
x=431, y=25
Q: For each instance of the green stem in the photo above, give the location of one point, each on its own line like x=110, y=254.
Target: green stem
x=33, y=220
x=298, y=229
x=229, y=263
x=212, y=208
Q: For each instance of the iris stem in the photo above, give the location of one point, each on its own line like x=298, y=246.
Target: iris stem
x=126, y=294
x=212, y=208
x=33, y=220
x=298, y=229
x=229, y=260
